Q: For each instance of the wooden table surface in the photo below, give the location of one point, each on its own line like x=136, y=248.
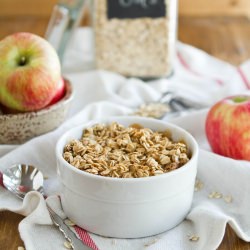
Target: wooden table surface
x=225, y=38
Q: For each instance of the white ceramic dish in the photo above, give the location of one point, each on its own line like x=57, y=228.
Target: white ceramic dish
x=127, y=208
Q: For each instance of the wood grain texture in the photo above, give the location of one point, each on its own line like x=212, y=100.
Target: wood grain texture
x=214, y=8
x=11, y=25
x=232, y=242
x=225, y=38
x=16, y=8
x=9, y=235
x=22, y=8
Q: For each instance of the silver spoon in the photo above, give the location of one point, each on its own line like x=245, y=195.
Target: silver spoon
x=21, y=179
x=170, y=104
x=179, y=103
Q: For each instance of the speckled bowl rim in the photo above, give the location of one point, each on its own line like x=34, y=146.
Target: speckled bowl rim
x=67, y=98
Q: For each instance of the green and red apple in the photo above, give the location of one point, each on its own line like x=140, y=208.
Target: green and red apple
x=30, y=72
x=228, y=127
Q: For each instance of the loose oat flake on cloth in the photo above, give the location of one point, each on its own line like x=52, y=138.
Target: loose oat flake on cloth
x=222, y=188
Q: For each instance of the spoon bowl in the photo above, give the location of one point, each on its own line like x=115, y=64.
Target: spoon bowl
x=22, y=178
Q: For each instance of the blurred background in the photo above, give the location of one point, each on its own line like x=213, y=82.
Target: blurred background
x=221, y=28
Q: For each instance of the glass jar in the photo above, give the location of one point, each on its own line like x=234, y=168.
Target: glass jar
x=135, y=38
x=66, y=16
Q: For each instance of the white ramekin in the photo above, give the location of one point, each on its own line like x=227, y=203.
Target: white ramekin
x=127, y=208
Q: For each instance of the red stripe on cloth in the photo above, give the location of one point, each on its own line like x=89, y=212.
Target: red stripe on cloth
x=1, y=179
x=187, y=66
x=85, y=237
x=244, y=78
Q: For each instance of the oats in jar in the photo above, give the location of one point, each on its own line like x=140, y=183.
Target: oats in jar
x=135, y=38
x=114, y=150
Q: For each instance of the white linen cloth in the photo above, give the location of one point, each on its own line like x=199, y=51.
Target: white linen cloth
x=98, y=94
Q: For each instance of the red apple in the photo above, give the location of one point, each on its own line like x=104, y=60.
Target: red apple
x=60, y=92
x=228, y=127
x=30, y=72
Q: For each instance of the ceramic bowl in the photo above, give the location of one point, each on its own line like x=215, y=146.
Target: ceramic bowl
x=133, y=207
x=20, y=127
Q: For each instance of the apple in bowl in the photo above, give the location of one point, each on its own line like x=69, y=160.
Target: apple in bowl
x=34, y=97
x=228, y=127
x=30, y=73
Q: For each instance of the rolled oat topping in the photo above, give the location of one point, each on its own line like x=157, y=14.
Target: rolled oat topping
x=193, y=237
x=67, y=245
x=154, y=110
x=228, y=198
x=125, y=152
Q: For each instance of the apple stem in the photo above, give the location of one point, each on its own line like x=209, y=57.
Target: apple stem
x=239, y=99
x=22, y=61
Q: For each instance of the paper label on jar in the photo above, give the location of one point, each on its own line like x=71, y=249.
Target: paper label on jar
x=136, y=8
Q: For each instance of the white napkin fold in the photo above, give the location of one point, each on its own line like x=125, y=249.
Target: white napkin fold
x=197, y=76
